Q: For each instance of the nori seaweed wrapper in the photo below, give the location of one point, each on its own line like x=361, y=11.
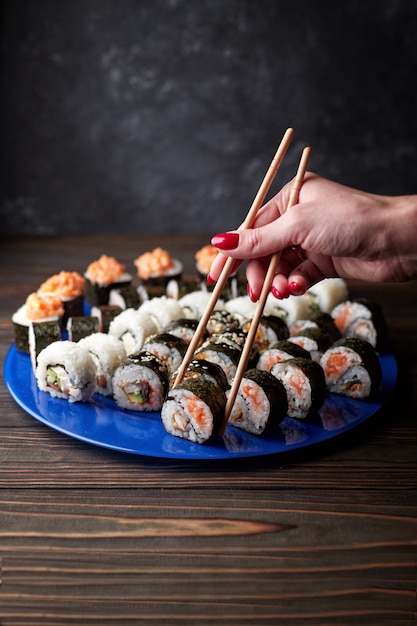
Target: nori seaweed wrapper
x=271, y=328
x=106, y=314
x=200, y=368
x=96, y=295
x=21, y=337
x=150, y=360
x=274, y=391
x=42, y=334
x=210, y=393
x=72, y=307
x=369, y=357
x=326, y=322
x=127, y=295
x=82, y=326
x=321, y=337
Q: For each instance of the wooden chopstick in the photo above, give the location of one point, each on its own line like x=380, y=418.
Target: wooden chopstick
x=243, y=361
x=218, y=288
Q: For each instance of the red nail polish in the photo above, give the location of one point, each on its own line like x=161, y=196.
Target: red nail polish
x=209, y=279
x=225, y=241
x=251, y=294
x=294, y=288
x=277, y=294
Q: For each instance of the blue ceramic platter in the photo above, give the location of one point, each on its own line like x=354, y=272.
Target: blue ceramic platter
x=100, y=422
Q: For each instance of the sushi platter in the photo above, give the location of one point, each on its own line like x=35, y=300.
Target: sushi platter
x=101, y=423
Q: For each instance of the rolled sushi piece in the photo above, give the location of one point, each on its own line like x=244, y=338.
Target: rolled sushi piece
x=271, y=328
x=290, y=309
x=66, y=370
x=328, y=293
x=195, y=303
x=162, y=310
x=168, y=348
x=281, y=351
x=261, y=402
x=194, y=410
x=222, y=354
x=41, y=334
x=304, y=384
x=204, y=370
x=318, y=319
x=103, y=275
x=81, y=326
x=140, y=383
x=221, y=321
x=314, y=340
x=125, y=297
x=362, y=318
x=105, y=314
x=177, y=287
x=351, y=367
x=133, y=327
x=35, y=309
x=184, y=328
x=107, y=353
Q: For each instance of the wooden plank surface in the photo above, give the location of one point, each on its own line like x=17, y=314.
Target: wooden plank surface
x=326, y=536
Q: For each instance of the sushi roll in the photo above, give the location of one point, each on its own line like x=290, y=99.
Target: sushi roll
x=204, y=370
x=351, y=367
x=195, y=303
x=280, y=351
x=105, y=314
x=314, y=340
x=261, y=402
x=222, y=354
x=69, y=287
x=103, y=275
x=82, y=326
x=194, y=410
x=168, y=348
x=35, y=309
x=291, y=309
x=66, y=370
x=140, y=383
x=304, y=383
x=125, y=297
x=318, y=319
x=271, y=328
x=221, y=321
x=177, y=288
x=327, y=293
x=41, y=334
x=361, y=318
x=107, y=353
x=184, y=328
x=157, y=267
x=162, y=310
x=133, y=327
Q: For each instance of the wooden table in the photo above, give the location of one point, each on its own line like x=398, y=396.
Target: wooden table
x=91, y=536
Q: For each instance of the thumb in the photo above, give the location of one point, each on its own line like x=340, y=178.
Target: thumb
x=254, y=243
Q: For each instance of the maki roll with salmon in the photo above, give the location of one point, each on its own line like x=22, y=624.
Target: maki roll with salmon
x=204, y=370
x=222, y=354
x=103, y=275
x=140, y=383
x=66, y=370
x=314, y=340
x=280, y=351
x=319, y=319
x=304, y=384
x=194, y=410
x=361, y=318
x=168, y=348
x=107, y=353
x=261, y=402
x=352, y=368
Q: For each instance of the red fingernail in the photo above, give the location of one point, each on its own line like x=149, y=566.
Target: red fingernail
x=225, y=241
x=251, y=294
x=294, y=288
x=277, y=294
x=210, y=280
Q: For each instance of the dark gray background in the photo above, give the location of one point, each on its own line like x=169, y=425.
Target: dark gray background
x=163, y=115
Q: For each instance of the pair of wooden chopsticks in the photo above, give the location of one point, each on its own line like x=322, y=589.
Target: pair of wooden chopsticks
x=257, y=203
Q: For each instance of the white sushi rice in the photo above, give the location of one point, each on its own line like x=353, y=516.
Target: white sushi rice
x=162, y=310
x=350, y=358
x=352, y=379
x=308, y=344
x=130, y=380
x=180, y=422
x=132, y=326
x=251, y=407
x=195, y=303
x=73, y=369
x=107, y=352
x=328, y=293
x=299, y=401
x=294, y=307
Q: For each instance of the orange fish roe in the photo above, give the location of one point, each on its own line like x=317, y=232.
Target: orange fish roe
x=40, y=307
x=205, y=257
x=64, y=284
x=153, y=263
x=105, y=271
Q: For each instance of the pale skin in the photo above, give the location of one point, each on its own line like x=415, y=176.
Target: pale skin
x=334, y=230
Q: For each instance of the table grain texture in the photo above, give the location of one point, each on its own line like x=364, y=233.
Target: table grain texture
x=326, y=536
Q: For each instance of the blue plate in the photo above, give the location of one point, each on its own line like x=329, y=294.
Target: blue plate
x=100, y=422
